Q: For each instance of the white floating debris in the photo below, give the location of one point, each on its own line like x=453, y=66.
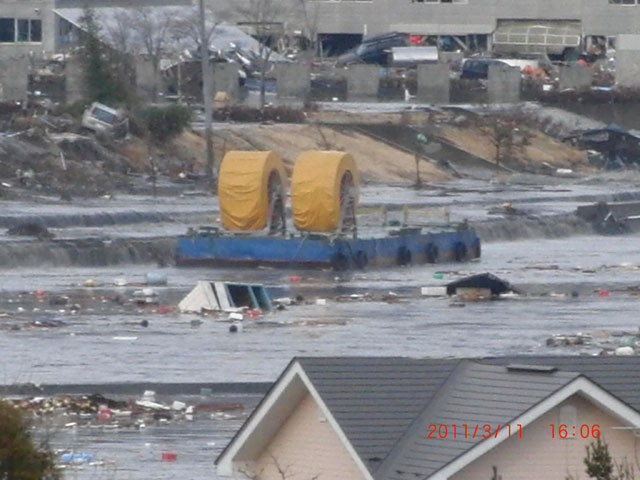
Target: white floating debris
x=149, y=395
x=625, y=351
x=433, y=291
x=283, y=300
x=151, y=405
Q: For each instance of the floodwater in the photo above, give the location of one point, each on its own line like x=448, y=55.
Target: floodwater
x=376, y=312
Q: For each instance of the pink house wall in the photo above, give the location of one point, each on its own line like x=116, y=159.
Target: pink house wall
x=537, y=456
x=306, y=447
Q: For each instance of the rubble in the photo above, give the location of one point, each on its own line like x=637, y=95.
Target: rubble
x=606, y=342
x=92, y=411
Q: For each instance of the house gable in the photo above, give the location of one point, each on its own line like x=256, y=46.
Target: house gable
x=292, y=402
x=540, y=452
x=607, y=403
x=306, y=447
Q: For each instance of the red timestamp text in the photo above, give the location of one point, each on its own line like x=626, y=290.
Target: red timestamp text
x=476, y=430
x=575, y=431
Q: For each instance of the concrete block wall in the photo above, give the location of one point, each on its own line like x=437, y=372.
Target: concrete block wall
x=14, y=77
x=628, y=61
x=434, y=83
x=146, y=79
x=225, y=79
x=74, y=81
x=362, y=82
x=575, y=76
x=293, y=80
x=503, y=84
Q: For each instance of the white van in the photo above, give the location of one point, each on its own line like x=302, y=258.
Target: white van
x=100, y=118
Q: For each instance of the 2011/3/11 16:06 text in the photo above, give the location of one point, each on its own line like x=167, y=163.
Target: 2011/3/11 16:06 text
x=472, y=430
x=575, y=431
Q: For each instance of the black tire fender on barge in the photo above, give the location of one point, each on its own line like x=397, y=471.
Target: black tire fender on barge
x=361, y=260
x=459, y=252
x=340, y=262
x=404, y=256
x=431, y=253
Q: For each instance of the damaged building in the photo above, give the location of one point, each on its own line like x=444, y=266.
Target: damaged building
x=33, y=32
x=491, y=25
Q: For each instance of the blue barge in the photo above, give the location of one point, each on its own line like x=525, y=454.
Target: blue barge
x=403, y=247
x=324, y=197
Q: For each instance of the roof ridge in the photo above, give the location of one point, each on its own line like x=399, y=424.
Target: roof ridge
x=442, y=389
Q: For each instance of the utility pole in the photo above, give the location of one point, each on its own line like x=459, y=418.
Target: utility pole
x=207, y=92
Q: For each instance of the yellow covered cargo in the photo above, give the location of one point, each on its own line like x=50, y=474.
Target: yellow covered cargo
x=243, y=188
x=316, y=189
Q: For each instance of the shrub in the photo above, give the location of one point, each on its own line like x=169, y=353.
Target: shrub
x=20, y=458
x=164, y=123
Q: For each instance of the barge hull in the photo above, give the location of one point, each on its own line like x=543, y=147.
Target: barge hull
x=325, y=253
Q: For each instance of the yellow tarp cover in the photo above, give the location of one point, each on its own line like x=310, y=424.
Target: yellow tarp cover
x=315, y=189
x=243, y=184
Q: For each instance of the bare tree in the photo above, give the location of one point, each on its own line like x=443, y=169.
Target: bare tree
x=266, y=17
x=310, y=13
x=145, y=31
x=187, y=30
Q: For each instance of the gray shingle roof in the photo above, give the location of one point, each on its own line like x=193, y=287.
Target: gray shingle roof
x=375, y=399
x=384, y=405
x=619, y=375
x=475, y=395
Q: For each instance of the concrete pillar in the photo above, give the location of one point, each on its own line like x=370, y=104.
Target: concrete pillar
x=74, y=79
x=503, y=84
x=628, y=61
x=293, y=80
x=14, y=78
x=433, y=83
x=225, y=79
x=145, y=78
x=575, y=76
x=362, y=81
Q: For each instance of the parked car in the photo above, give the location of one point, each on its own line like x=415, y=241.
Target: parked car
x=104, y=119
x=375, y=49
x=479, y=67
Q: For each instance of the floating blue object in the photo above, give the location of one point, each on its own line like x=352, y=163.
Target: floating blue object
x=76, y=457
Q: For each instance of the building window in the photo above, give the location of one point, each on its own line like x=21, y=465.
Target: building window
x=7, y=30
x=14, y=30
x=623, y=2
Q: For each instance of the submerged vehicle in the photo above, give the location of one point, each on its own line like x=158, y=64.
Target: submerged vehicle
x=324, y=196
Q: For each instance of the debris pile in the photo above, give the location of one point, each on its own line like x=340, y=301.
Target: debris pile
x=621, y=343
x=92, y=411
